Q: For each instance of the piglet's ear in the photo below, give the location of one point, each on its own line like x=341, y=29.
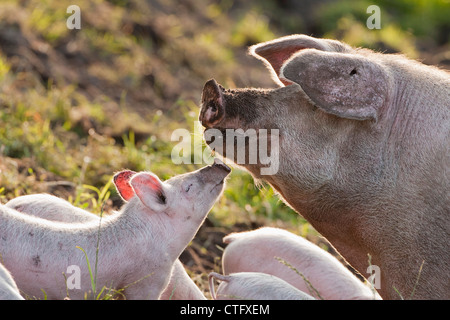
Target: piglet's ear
x=276, y=52
x=122, y=182
x=150, y=190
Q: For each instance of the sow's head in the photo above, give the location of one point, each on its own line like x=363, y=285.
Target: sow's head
x=322, y=85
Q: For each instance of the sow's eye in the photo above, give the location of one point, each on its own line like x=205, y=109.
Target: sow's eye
x=188, y=187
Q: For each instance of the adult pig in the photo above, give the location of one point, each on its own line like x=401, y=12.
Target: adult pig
x=363, y=153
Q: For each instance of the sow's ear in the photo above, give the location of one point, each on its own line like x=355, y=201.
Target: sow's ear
x=274, y=53
x=346, y=85
x=213, y=109
x=150, y=190
x=122, y=182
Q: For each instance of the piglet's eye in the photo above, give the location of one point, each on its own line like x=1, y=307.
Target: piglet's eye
x=188, y=187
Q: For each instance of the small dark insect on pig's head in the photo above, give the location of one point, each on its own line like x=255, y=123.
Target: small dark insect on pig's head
x=328, y=92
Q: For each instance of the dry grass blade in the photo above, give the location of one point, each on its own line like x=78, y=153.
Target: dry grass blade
x=311, y=288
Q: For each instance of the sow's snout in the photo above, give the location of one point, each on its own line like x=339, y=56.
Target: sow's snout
x=213, y=107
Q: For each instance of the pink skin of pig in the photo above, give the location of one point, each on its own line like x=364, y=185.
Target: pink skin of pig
x=181, y=286
x=273, y=250
x=8, y=288
x=138, y=245
x=45, y=206
x=253, y=286
x=362, y=149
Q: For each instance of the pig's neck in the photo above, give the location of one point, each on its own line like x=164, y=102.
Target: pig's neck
x=169, y=234
x=133, y=222
x=415, y=113
x=382, y=218
x=339, y=227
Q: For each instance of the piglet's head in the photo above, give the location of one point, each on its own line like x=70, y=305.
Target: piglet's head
x=173, y=209
x=190, y=195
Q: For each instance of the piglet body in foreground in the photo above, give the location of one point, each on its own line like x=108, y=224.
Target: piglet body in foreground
x=45, y=206
x=283, y=254
x=8, y=288
x=254, y=286
x=138, y=245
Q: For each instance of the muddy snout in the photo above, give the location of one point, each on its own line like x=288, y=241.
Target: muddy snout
x=218, y=164
x=213, y=107
x=220, y=169
x=215, y=173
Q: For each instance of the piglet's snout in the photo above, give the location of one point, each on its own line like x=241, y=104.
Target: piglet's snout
x=218, y=164
x=215, y=173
